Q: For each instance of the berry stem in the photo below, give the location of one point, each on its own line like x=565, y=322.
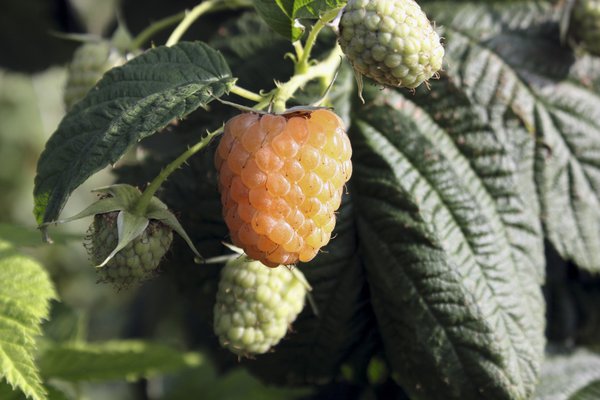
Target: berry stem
x=154, y=28
x=247, y=94
x=201, y=9
x=144, y=200
x=325, y=69
x=299, y=50
x=303, y=54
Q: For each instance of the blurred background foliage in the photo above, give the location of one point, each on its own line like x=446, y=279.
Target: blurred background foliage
x=33, y=61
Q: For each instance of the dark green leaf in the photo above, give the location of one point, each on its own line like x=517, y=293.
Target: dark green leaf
x=452, y=258
x=128, y=104
x=116, y=360
x=283, y=15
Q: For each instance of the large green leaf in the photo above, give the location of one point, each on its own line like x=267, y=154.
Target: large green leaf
x=25, y=294
x=283, y=15
x=128, y=359
x=570, y=376
x=498, y=55
x=452, y=258
x=128, y=104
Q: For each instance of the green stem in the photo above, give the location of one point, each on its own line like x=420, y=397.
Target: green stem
x=324, y=69
x=156, y=27
x=299, y=50
x=304, y=58
x=142, y=204
x=247, y=94
x=199, y=10
x=304, y=54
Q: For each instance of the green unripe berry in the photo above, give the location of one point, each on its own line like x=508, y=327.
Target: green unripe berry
x=390, y=41
x=137, y=261
x=255, y=305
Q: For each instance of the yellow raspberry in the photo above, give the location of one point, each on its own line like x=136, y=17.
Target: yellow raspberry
x=281, y=179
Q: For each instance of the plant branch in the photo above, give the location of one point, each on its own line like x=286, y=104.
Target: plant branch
x=156, y=27
x=247, y=94
x=304, y=57
x=143, y=202
x=324, y=69
x=304, y=53
x=201, y=9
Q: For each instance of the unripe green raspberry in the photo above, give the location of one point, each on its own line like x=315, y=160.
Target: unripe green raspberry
x=585, y=25
x=255, y=305
x=390, y=41
x=90, y=61
x=136, y=261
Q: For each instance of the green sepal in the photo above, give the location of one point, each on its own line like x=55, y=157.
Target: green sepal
x=168, y=218
x=124, y=198
x=101, y=206
x=129, y=227
x=127, y=194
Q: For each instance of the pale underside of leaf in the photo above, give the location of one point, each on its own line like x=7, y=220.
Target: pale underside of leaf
x=463, y=288
x=564, y=375
x=501, y=60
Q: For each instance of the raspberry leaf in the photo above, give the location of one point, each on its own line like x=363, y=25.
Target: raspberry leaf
x=128, y=104
x=458, y=303
x=497, y=63
x=283, y=15
x=25, y=294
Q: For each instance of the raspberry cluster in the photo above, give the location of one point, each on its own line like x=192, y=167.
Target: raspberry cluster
x=390, y=41
x=281, y=179
x=255, y=305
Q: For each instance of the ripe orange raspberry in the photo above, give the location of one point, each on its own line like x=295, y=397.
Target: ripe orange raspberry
x=281, y=179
